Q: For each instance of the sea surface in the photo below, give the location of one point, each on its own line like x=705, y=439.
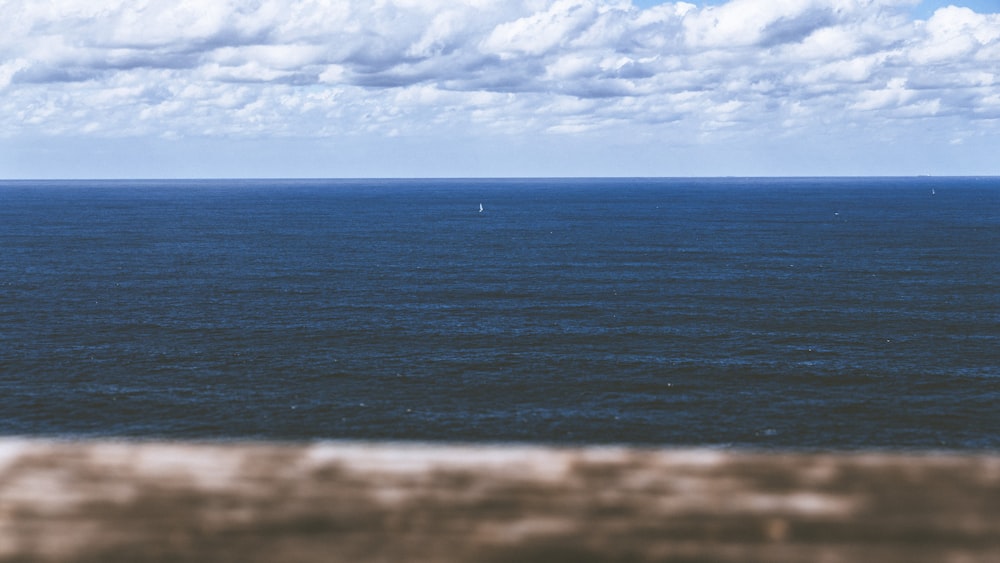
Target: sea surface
x=814, y=313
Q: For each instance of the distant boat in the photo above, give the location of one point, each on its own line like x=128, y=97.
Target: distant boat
x=932, y=193
x=480, y=208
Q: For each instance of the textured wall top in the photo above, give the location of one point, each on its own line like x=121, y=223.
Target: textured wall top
x=125, y=501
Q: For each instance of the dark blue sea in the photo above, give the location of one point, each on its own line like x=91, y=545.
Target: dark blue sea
x=751, y=313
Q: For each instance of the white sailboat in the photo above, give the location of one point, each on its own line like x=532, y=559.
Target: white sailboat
x=480, y=208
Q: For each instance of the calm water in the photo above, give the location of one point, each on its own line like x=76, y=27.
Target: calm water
x=792, y=313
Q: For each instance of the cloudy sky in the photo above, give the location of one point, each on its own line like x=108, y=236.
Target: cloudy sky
x=384, y=88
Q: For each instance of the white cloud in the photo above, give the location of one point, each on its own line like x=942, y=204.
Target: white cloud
x=316, y=68
x=955, y=34
x=542, y=31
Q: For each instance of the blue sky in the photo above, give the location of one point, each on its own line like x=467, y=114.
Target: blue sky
x=446, y=88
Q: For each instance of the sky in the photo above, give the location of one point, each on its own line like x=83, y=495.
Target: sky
x=498, y=88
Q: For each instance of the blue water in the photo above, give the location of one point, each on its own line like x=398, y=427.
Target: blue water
x=784, y=313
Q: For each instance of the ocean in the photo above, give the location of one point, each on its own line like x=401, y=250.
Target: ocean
x=792, y=313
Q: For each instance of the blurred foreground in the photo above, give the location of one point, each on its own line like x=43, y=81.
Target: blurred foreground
x=331, y=502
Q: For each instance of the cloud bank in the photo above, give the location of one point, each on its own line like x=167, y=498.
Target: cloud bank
x=322, y=68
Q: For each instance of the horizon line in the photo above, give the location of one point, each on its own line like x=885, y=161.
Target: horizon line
x=459, y=178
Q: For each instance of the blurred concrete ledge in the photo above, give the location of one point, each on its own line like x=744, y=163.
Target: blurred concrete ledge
x=332, y=502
